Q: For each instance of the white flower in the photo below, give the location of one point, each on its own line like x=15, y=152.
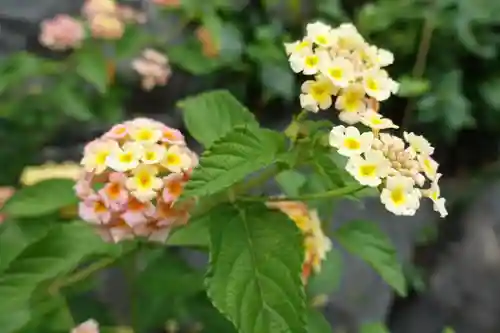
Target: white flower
x=125, y=158
x=349, y=141
x=370, y=169
x=434, y=193
x=384, y=57
x=320, y=34
x=298, y=48
x=351, y=103
x=378, y=85
x=339, y=69
x=153, y=153
x=375, y=121
x=144, y=184
x=418, y=144
x=348, y=37
x=317, y=94
x=399, y=196
x=176, y=159
x=307, y=63
x=428, y=165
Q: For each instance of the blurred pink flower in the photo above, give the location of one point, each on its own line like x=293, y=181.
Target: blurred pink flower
x=93, y=7
x=153, y=67
x=89, y=326
x=61, y=33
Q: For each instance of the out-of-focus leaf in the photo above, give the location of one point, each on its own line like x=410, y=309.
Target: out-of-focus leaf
x=412, y=86
x=490, y=92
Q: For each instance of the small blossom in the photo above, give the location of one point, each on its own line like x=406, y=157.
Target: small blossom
x=153, y=67
x=96, y=155
x=172, y=136
x=92, y=8
x=308, y=63
x=418, y=144
x=369, y=170
x=174, y=184
x=385, y=57
x=317, y=94
x=144, y=184
x=61, y=33
x=137, y=212
x=114, y=195
x=145, y=132
x=399, y=196
x=117, y=132
x=434, y=193
x=378, y=85
x=320, y=34
x=125, y=158
x=375, y=121
x=94, y=210
x=339, y=70
x=348, y=37
x=428, y=165
x=89, y=326
x=298, y=48
x=349, y=141
x=176, y=160
x=351, y=103
x=153, y=153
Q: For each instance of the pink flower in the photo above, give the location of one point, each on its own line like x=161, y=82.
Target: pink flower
x=138, y=212
x=153, y=67
x=61, y=33
x=89, y=326
x=174, y=184
x=94, y=210
x=152, y=232
x=114, y=195
x=92, y=8
x=117, y=132
x=172, y=136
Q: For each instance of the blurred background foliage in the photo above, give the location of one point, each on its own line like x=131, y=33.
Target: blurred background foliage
x=446, y=55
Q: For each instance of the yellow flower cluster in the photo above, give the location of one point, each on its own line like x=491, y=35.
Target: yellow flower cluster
x=344, y=66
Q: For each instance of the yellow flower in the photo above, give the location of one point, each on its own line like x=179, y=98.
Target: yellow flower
x=144, y=184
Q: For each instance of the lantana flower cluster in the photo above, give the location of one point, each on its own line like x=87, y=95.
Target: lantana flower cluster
x=153, y=67
x=346, y=66
x=133, y=175
x=316, y=243
x=105, y=19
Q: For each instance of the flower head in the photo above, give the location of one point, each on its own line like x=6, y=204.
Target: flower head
x=153, y=67
x=61, y=33
x=138, y=172
x=349, y=141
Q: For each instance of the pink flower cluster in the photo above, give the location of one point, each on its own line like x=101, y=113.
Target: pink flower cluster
x=133, y=175
x=61, y=33
x=153, y=67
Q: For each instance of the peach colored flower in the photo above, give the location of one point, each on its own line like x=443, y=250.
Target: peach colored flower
x=153, y=67
x=91, y=8
x=61, y=33
x=136, y=200
x=105, y=26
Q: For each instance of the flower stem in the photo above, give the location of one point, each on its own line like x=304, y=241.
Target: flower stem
x=351, y=189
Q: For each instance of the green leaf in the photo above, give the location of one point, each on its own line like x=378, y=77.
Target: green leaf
x=48, y=315
x=195, y=233
x=261, y=251
x=448, y=330
x=291, y=182
x=73, y=103
x=189, y=57
x=367, y=241
x=489, y=92
x=316, y=322
x=332, y=174
x=328, y=279
x=16, y=235
x=92, y=66
x=130, y=43
x=238, y=154
x=412, y=86
x=166, y=282
x=42, y=198
x=374, y=328
x=52, y=256
x=211, y=115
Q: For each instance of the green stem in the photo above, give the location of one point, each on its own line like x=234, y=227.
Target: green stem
x=308, y=197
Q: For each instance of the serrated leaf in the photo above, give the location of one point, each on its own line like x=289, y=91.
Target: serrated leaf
x=92, y=66
x=211, y=115
x=291, y=182
x=166, y=282
x=195, y=233
x=16, y=235
x=328, y=279
x=42, y=198
x=374, y=328
x=56, y=254
x=261, y=251
x=365, y=240
x=229, y=160
x=316, y=322
x=332, y=174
